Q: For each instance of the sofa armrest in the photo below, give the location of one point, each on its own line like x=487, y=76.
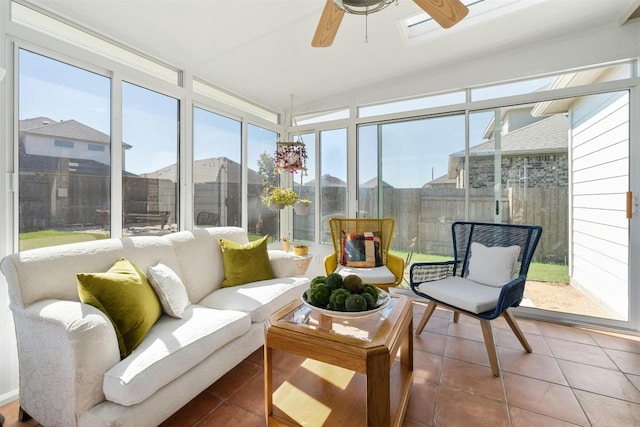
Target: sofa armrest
x=283, y=263
x=64, y=349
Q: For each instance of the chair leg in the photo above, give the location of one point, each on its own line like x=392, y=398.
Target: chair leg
x=426, y=316
x=487, y=333
x=511, y=320
x=456, y=316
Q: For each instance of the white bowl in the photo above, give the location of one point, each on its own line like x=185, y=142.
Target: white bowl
x=381, y=303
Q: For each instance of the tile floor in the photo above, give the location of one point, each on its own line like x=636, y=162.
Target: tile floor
x=574, y=377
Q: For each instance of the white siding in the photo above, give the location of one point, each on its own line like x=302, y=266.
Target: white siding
x=600, y=169
x=44, y=146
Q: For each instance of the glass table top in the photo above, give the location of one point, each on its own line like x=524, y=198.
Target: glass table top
x=361, y=328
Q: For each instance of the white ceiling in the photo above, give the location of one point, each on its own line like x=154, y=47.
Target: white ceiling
x=260, y=49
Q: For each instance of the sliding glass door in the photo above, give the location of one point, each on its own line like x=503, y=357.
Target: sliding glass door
x=562, y=164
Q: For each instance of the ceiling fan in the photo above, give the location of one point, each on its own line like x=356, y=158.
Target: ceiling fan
x=447, y=13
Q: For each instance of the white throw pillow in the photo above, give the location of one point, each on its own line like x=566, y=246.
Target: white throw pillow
x=169, y=288
x=493, y=265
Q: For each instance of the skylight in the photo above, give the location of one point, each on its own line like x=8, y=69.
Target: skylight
x=421, y=27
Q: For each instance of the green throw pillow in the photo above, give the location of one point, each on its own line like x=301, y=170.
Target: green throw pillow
x=124, y=294
x=245, y=263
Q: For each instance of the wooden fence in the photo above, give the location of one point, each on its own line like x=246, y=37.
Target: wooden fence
x=427, y=214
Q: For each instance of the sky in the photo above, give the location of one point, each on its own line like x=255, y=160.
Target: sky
x=413, y=152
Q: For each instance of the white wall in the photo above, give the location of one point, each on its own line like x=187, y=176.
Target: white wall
x=600, y=170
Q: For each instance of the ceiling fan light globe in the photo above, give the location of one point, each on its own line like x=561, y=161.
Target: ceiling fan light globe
x=362, y=7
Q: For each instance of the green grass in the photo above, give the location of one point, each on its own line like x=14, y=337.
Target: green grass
x=39, y=239
x=548, y=273
x=538, y=271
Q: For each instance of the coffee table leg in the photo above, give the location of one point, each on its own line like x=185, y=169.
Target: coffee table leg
x=268, y=382
x=406, y=349
x=378, y=391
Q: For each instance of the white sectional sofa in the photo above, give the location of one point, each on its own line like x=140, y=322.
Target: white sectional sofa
x=71, y=373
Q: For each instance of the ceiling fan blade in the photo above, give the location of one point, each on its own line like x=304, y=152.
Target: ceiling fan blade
x=447, y=13
x=328, y=25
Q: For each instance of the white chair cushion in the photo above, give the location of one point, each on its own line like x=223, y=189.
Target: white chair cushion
x=463, y=293
x=171, y=348
x=169, y=288
x=373, y=275
x=493, y=265
x=258, y=299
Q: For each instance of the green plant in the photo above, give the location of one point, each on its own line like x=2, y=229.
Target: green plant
x=305, y=202
x=277, y=195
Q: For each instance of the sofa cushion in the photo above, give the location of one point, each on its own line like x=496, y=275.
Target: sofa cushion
x=463, y=293
x=492, y=265
x=171, y=348
x=124, y=294
x=63, y=262
x=200, y=259
x=258, y=299
x=373, y=275
x=169, y=288
x=245, y=263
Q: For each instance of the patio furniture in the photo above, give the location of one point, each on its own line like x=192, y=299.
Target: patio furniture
x=208, y=218
x=361, y=247
x=485, y=278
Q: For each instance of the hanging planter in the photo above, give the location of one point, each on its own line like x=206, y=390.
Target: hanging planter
x=302, y=206
x=278, y=198
x=290, y=157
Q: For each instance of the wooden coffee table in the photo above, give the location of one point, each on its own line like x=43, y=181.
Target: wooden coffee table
x=367, y=345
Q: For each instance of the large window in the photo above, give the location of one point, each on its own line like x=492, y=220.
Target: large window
x=149, y=161
x=217, y=169
x=404, y=172
x=304, y=183
x=261, y=145
x=64, y=185
x=333, y=178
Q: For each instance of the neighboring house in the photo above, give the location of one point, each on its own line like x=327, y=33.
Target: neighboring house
x=533, y=155
x=441, y=182
x=217, y=190
x=64, y=173
x=67, y=138
x=327, y=180
x=373, y=183
x=209, y=170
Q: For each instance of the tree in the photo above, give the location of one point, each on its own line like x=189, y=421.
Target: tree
x=266, y=171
